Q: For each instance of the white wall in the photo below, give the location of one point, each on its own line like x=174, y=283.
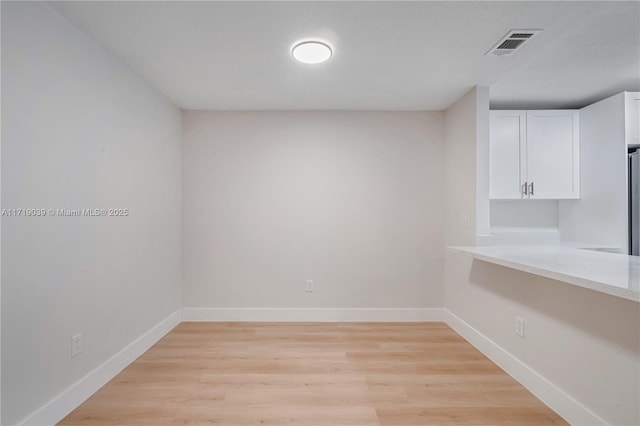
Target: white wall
x=600, y=216
x=466, y=177
x=79, y=130
x=583, y=342
x=524, y=222
x=0, y=231
x=483, y=208
x=461, y=170
x=524, y=214
x=352, y=200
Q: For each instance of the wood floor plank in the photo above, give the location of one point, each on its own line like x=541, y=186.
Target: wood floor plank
x=313, y=374
x=284, y=414
x=477, y=416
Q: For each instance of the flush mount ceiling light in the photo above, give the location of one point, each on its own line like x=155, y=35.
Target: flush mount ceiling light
x=311, y=52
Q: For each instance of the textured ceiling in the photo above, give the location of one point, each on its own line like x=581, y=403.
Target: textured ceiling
x=387, y=55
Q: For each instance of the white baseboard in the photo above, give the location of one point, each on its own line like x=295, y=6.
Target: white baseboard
x=56, y=409
x=558, y=400
x=314, y=314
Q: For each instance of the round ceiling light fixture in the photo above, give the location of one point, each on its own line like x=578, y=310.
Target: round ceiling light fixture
x=312, y=52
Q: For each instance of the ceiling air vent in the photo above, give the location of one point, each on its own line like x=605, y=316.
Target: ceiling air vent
x=513, y=41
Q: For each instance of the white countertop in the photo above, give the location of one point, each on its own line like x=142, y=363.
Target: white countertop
x=614, y=274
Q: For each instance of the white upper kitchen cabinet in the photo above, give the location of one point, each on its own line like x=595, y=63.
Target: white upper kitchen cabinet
x=601, y=216
x=534, y=154
x=632, y=117
x=553, y=162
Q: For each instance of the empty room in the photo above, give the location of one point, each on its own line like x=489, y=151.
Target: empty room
x=320, y=213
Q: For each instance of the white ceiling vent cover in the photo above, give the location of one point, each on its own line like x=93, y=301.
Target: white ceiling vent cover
x=513, y=41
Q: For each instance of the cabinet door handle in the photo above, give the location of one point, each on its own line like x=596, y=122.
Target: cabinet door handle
x=525, y=190
x=531, y=189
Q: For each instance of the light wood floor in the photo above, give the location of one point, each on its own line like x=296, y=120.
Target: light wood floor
x=313, y=374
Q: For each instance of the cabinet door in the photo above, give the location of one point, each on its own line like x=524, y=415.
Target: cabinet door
x=553, y=154
x=507, y=136
x=632, y=118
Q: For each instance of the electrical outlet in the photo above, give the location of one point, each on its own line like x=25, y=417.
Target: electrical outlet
x=76, y=345
x=309, y=287
x=520, y=327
